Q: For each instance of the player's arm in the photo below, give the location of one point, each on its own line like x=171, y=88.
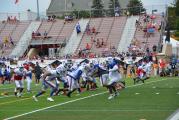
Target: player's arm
x=47, y=73
x=115, y=68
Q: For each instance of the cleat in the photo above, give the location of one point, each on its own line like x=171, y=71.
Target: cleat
x=69, y=94
x=19, y=94
x=110, y=97
x=116, y=94
x=35, y=98
x=50, y=99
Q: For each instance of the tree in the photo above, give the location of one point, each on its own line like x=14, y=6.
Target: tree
x=114, y=7
x=97, y=8
x=177, y=8
x=135, y=7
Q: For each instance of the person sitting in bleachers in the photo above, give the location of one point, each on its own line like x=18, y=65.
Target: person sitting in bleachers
x=33, y=35
x=68, y=18
x=88, y=47
x=45, y=34
x=38, y=33
x=8, y=19
x=15, y=19
x=102, y=42
x=49, y=18
x=94, y=30
x=6, y=41
x=53, y=18
x=98, y=43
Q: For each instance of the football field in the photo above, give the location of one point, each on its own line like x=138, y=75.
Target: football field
x=156, y=99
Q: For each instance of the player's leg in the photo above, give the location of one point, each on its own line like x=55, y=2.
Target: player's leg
x=29, y=81
x=72, y=86
x=17, y=88
x=53, y=87
x=21, y=82
x=43, y=91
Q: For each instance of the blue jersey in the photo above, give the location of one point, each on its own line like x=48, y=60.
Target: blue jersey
x=101, y=70
x=76, y=74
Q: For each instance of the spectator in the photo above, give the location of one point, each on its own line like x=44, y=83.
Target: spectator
x=78, y=28
x=45, y=34
x=38, y=33
x=49, y=18
x=94, y=30
x=155, y=68
x=6, y=41
x=87, y=46
x=92, y=40
x=102, y=42
x=53, y=17
x=37, y=72
x=11, y=41
x=97, y=43
x=33, y=34
x=15, y=19
x=8, y=19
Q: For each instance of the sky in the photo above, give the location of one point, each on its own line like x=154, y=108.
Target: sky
x=23, y=5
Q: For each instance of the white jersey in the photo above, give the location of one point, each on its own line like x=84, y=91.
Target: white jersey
x=61, y=70
x=114, y=74
x=18, y=72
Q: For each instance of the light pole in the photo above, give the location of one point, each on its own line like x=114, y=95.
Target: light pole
x=65, y=5
x=38, y=14
x=114, y=7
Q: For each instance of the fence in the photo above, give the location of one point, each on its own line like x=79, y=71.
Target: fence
x=88, y=13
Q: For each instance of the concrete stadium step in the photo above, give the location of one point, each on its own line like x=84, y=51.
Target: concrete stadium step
x=128, y=34
x=75, y=39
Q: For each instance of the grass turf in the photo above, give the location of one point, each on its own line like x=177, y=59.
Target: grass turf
x=134, y=103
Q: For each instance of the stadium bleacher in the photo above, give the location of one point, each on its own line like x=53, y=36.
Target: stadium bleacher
x=151, y=40
x=15, y=31
x=110, y=29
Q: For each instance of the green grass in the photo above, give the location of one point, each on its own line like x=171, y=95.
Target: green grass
x=128, y=106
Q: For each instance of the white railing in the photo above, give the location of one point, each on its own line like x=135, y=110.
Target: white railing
x=75, y=39
x=128, y=34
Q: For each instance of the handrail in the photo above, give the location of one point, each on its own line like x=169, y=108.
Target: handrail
x=110, y=29
x=60, y=32
x=97, y=31
x=14, y=28
x=3, y=27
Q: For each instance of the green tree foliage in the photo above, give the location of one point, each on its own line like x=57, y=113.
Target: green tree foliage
x=114, y=6
x=173, y=15
x=81, y=14
x=135, y=7
x=177, y=8
x=97, y=8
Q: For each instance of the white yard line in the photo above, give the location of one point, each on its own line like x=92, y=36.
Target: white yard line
x=71, y=101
